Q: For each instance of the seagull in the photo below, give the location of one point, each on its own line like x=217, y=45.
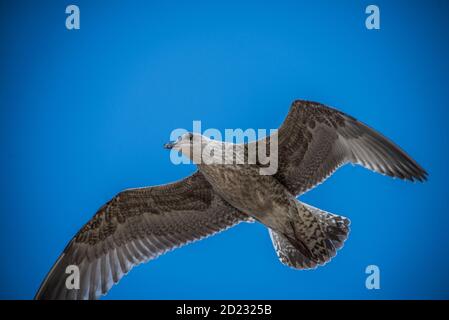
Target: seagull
x=138, y=225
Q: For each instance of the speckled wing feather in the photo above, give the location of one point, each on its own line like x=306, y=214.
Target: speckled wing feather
x=315, y=140
x=137, y=225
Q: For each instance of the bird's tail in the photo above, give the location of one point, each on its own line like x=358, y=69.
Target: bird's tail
x=311, y=240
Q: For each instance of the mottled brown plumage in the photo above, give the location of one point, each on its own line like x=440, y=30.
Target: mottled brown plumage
x=138, y=225
x=135, y=226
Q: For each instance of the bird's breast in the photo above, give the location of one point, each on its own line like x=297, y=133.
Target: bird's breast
x=260, y=196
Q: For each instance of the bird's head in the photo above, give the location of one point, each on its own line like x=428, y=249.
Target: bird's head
x=189, y=144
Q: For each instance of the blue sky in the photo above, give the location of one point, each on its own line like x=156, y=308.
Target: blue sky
x=84, y=114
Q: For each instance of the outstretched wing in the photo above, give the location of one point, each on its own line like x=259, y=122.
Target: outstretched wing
x=315, y=140
x=137, y=225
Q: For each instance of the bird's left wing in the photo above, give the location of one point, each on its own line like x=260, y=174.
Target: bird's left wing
x=137, y=225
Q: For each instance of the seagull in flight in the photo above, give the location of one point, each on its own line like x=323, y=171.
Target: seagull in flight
x=138, y=225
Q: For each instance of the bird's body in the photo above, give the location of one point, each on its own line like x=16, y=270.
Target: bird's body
x=138, y=225
x=260, y=196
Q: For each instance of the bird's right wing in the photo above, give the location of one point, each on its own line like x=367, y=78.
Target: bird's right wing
x=137, y=225
x=315, y=140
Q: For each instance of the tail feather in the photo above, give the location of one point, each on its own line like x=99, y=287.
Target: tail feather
x=326, y=235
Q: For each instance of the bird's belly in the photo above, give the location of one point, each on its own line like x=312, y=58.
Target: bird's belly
x=259, y=196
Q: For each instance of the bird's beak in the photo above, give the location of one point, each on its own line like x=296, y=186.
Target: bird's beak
x=169, y=145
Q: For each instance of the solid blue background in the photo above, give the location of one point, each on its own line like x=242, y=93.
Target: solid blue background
x=84, y=115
